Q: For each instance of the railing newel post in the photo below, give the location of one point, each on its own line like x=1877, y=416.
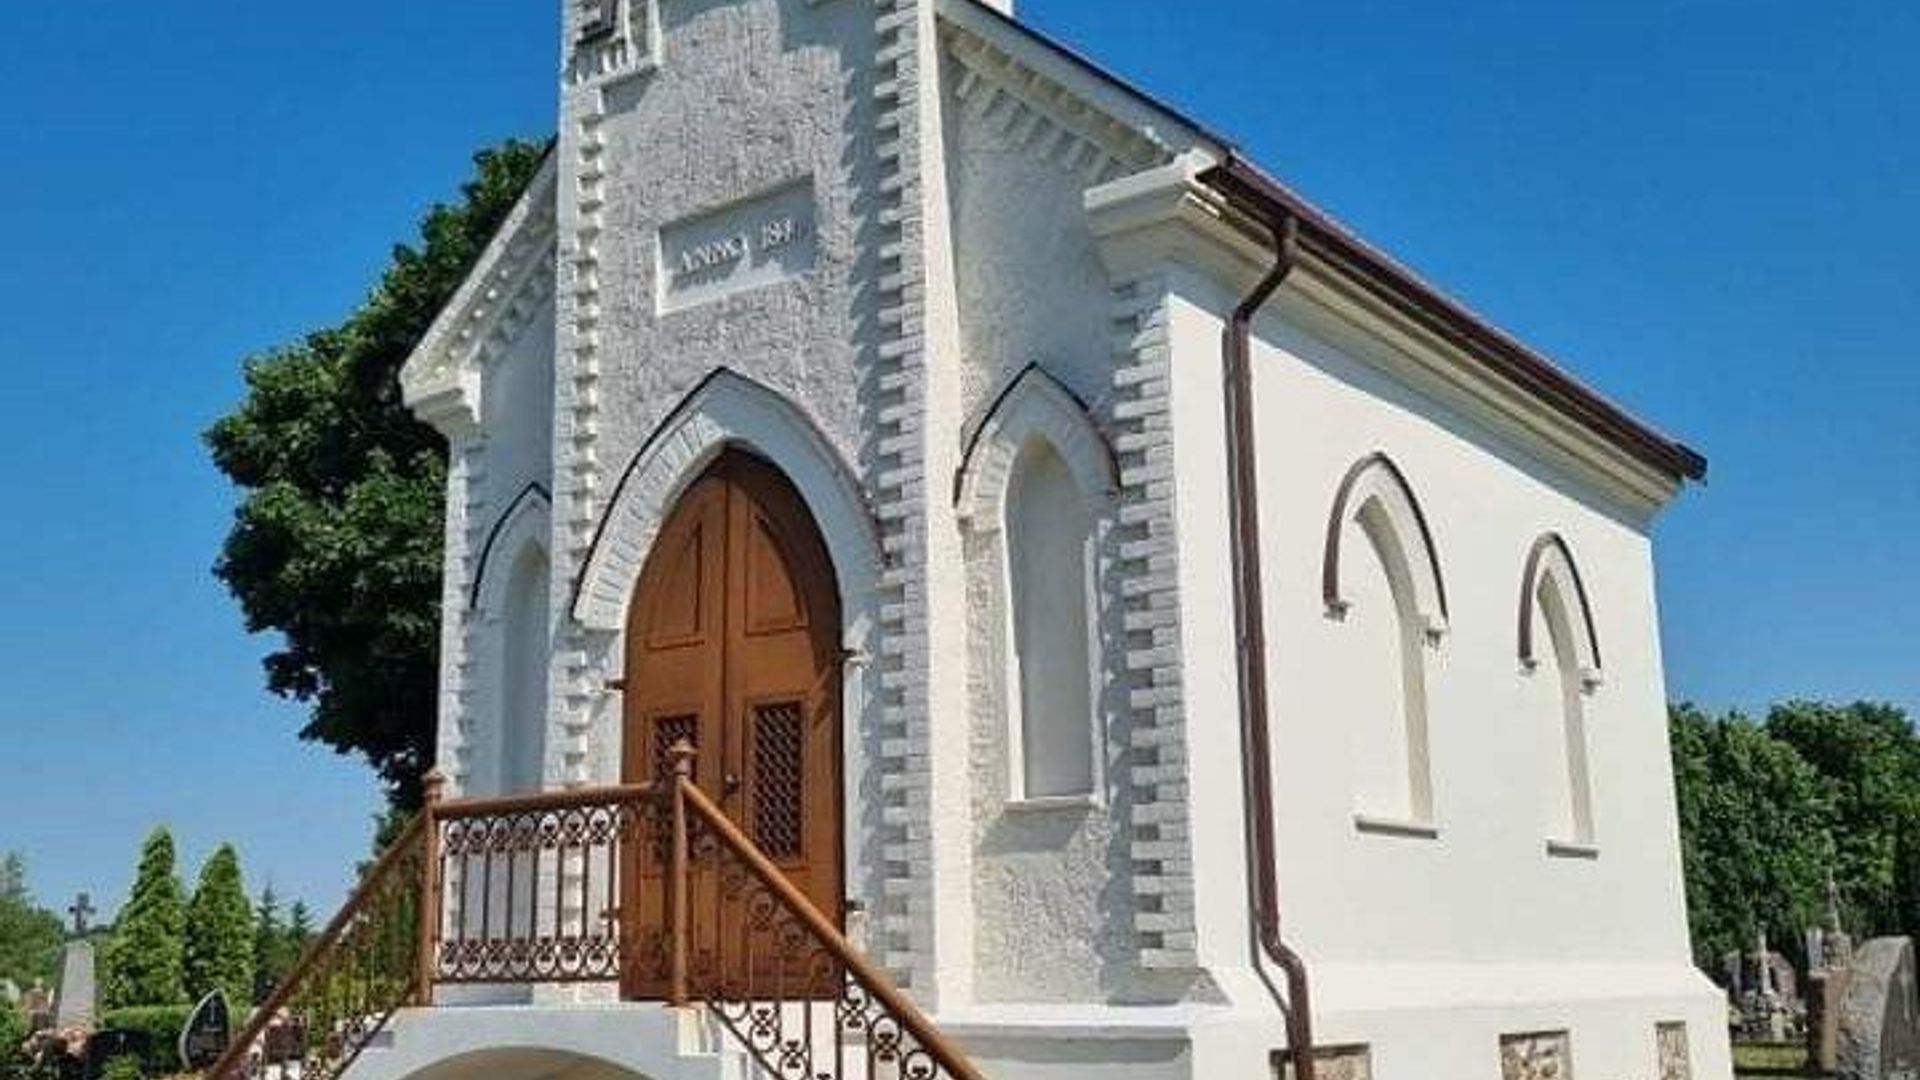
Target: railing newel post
x=679, y=920
x=436, y=789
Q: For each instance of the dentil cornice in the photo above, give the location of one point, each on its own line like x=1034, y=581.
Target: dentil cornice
x=513, y=277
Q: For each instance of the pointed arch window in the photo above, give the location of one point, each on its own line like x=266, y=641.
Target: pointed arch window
x=523, y=697
x=512, y=602
x=1560, y=650
x=1381, y=581
x=1035, y=484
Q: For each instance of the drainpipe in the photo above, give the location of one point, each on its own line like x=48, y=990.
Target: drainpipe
x=1249, y=611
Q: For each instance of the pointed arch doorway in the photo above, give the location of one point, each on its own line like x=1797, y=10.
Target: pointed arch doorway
x=733, y=644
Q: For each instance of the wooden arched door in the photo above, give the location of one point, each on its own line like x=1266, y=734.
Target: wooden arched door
x=733, y=643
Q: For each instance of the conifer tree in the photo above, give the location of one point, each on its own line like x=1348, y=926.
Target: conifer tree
x=219, y=935
x=270, y=945
x=145, y=963
x=30, y=935
x=299, y=925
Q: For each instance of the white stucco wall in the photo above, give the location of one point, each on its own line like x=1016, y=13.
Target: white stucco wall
x=1429, y=948
x=1051, y=888
x=498, y=487
x=1491, y=736
x=726, y=105
x=1031, y=287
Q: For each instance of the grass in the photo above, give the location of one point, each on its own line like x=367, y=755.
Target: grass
x=1769, y=1059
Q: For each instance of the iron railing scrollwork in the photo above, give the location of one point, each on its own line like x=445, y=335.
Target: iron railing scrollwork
x=795, y=992
x=360, y=971
x=649, y=885
x=531, y=888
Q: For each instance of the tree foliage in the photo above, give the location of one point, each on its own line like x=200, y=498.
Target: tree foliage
x=219, y=946
x=30, y=936
x=275, y=949
x=336, y=543
x=13, y=1038
x=1771, y=812
x=1754, y=825
x=1871, y=759
x=144, y=965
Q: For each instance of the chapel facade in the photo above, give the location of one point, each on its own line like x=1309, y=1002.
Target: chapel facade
x=1155, y=628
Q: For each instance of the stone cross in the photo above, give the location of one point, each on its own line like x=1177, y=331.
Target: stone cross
x=82, y=910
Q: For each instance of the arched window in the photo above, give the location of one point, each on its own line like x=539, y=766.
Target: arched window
x=1049, y=537
x=523, y=698
x=1381, y=582
x=1559, y=648
x=1034, y=486
x=511, y=603
x=511, y=627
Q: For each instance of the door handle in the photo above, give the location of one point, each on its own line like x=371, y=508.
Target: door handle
x=731, y=783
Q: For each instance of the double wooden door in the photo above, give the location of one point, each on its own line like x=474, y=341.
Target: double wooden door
x=733, y=646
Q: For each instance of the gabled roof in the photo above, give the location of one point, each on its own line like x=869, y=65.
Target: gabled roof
x=441, y=380
x=1258, y=194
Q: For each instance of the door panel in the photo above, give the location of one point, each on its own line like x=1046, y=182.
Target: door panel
x=734, y=645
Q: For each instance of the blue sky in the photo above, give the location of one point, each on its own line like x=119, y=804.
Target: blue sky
x=1705, y=209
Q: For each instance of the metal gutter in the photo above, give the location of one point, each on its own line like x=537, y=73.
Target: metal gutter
x=1250, y=631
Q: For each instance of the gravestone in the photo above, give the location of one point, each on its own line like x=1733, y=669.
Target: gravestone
x=1765, y=992
x=37, y=1003
x=105, y=1046
x=207, y=1033
x=1829, y=959
x=1879, y=1016
x=74, y=1007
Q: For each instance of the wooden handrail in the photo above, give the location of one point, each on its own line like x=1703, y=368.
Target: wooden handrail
x=680, y=809
x=825, y=934
x=369, y=887
x=465, y=809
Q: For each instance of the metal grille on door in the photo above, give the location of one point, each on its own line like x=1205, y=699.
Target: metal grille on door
x=778, y=778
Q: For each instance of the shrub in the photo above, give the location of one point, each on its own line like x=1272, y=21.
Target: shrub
x=13, y=1035
x=161, y=1025
x=123, y=1068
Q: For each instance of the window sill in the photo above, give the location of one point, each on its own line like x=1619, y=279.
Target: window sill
x=1400, y=827
x=1046, y=803
x=1572, y=849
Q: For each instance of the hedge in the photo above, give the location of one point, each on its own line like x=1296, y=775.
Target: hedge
x=161, y=1024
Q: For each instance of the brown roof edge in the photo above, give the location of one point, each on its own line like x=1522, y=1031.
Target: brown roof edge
x=1259, y=194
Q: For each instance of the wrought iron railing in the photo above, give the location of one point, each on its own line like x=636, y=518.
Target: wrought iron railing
x=531, y=889
x=794, y=965
x=362, y=969
x=652, y=886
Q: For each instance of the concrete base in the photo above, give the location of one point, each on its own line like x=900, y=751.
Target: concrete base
x=1397, y=1022
x=532, y=1042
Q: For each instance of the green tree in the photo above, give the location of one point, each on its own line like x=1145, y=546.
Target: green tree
x=273, y=952
x=337, y=541
x=1755, y=827
x=30, y=936
x=145, y=964
x=299, y=929
x=218, y=953
x=1870, y=758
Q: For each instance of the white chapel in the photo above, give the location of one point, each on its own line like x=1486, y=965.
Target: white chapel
x=954, y=571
